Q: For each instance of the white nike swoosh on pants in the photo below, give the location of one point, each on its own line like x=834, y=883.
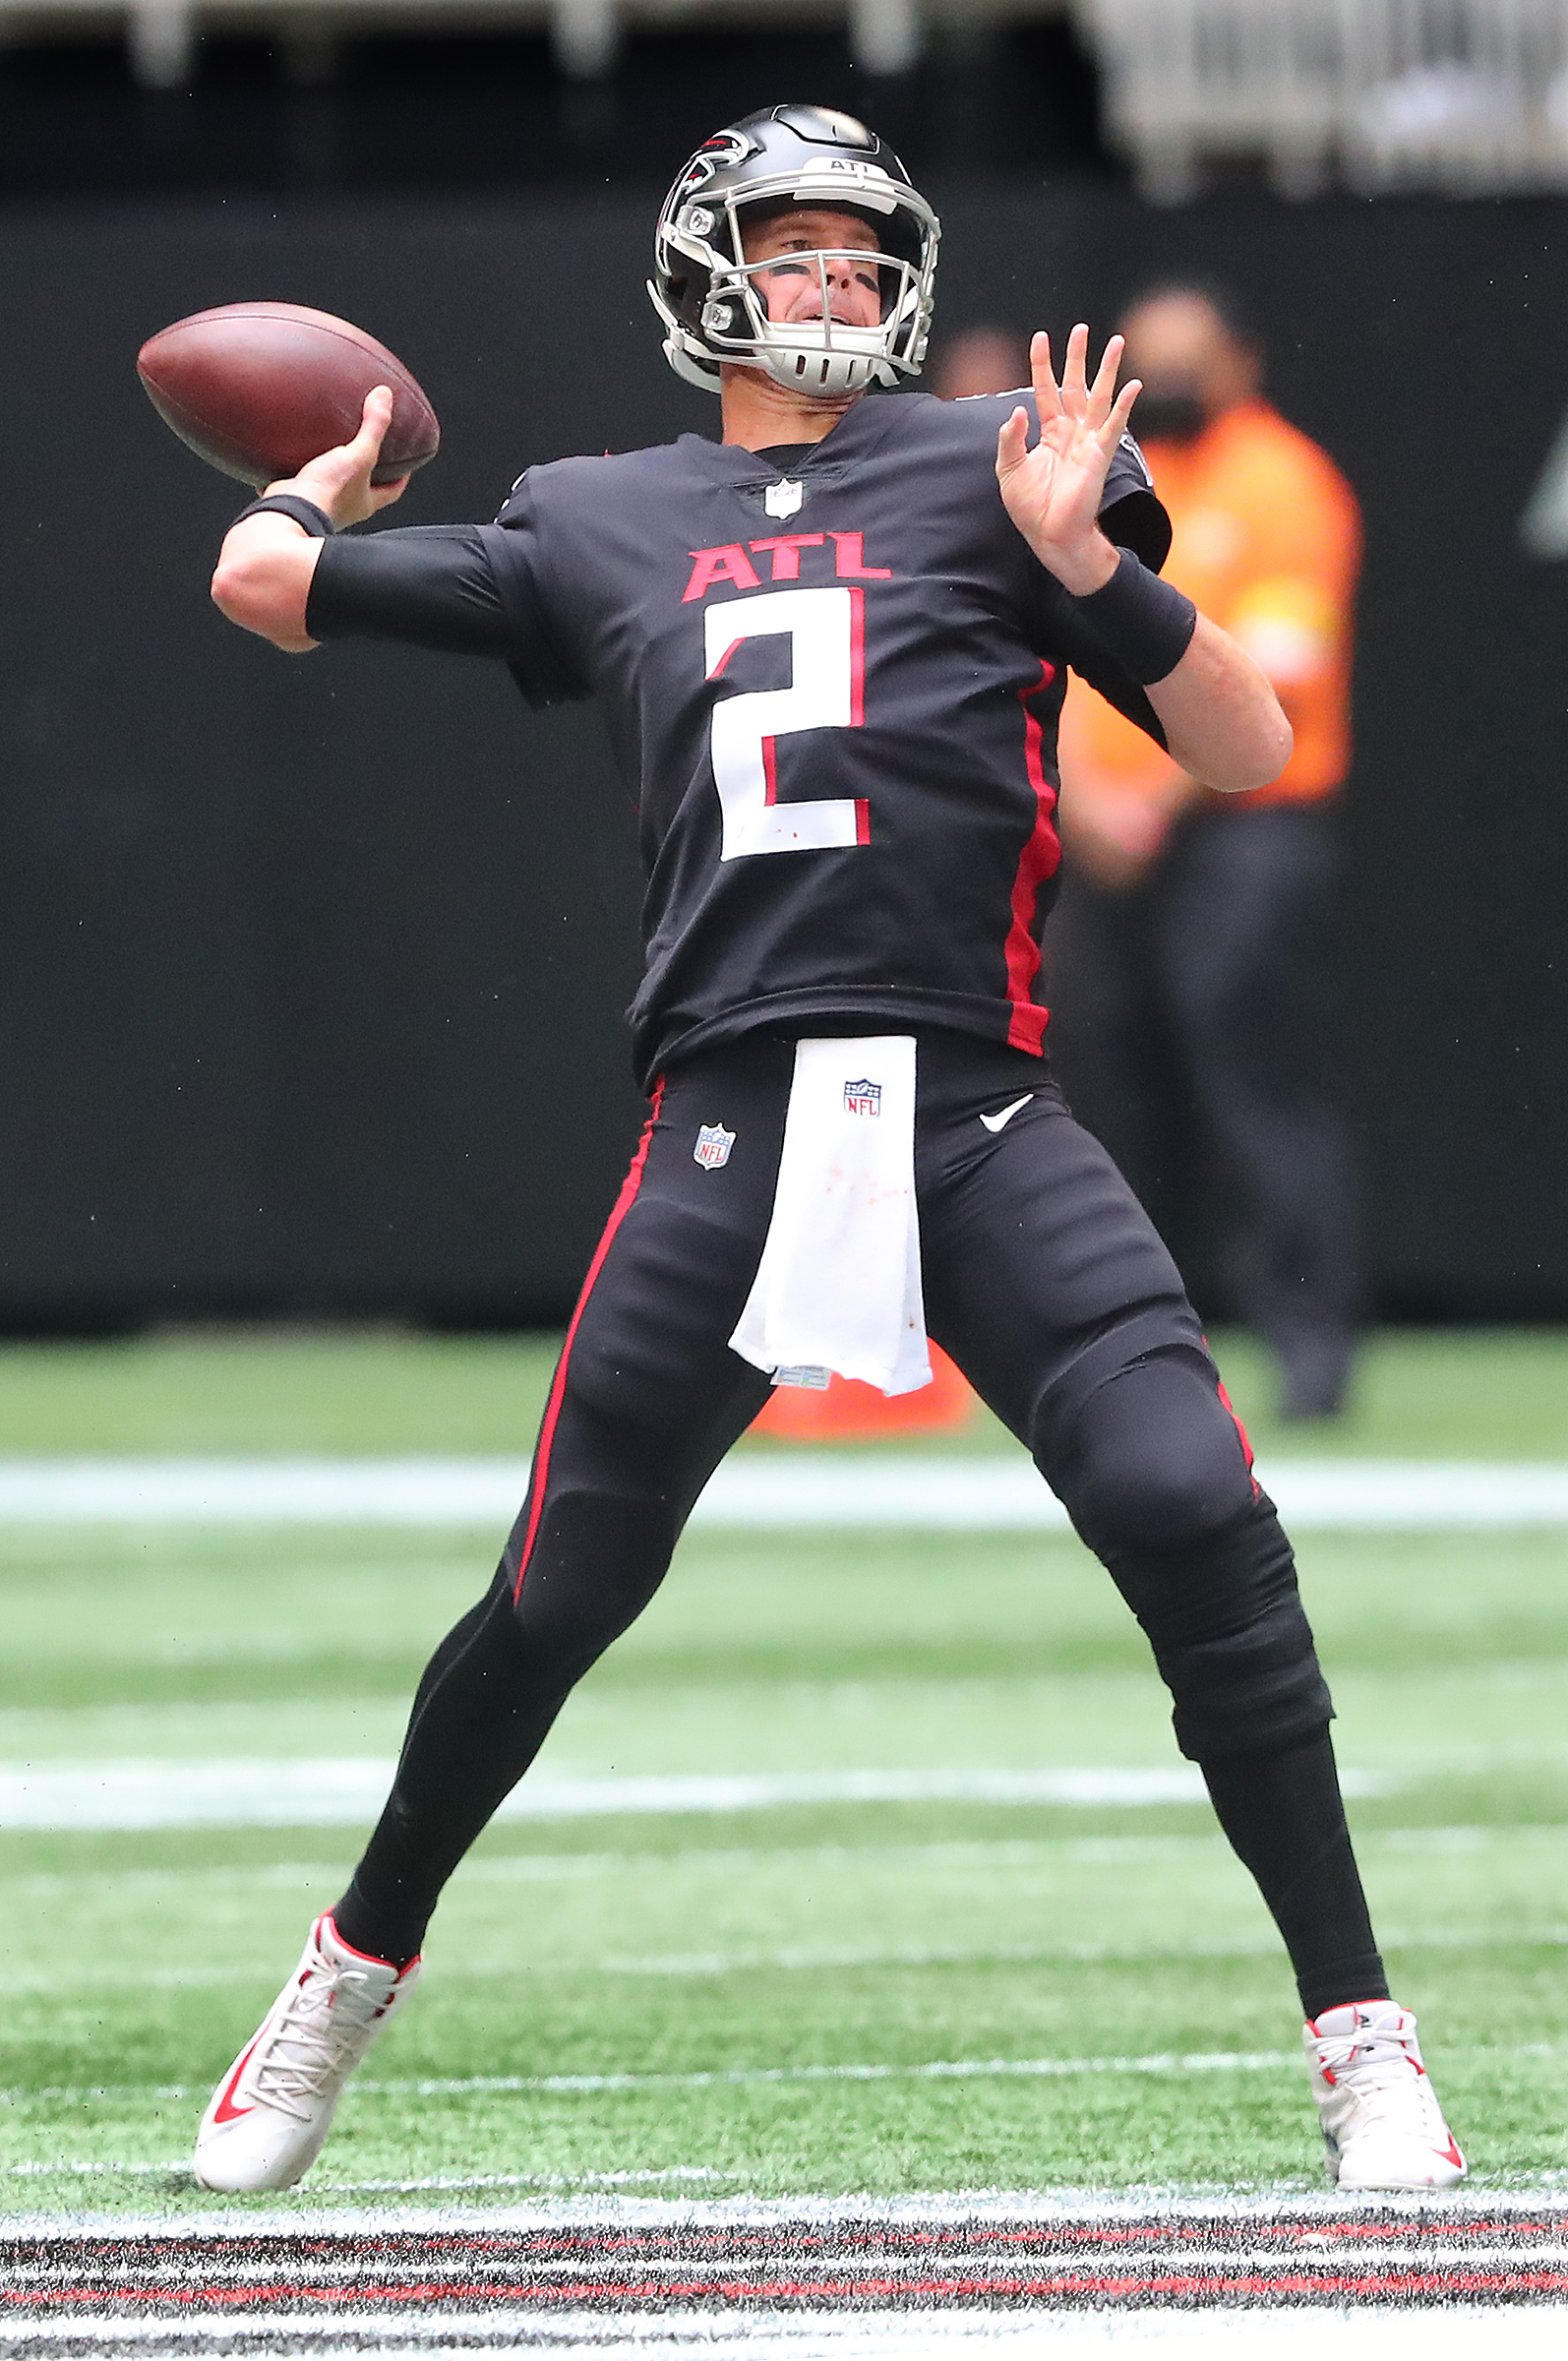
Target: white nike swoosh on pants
x=995, y=1122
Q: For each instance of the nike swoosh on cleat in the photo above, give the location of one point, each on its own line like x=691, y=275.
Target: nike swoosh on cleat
x=995, y=1122
x=225, y=2111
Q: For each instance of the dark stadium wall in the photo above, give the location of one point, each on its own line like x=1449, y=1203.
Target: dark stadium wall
x=311, y=971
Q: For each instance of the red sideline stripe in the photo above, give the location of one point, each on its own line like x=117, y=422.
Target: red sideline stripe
x=1040, y=859
x=522, y=2245
x=547, y=1432
x=1185, y=2286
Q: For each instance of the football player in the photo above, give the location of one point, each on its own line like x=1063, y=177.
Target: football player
x=833, y=648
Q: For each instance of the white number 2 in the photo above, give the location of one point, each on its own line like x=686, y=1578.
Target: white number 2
x=827, y=633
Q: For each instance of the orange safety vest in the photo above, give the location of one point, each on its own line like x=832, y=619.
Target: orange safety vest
x=1267, y=542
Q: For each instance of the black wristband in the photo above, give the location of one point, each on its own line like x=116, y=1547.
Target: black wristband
x=1146, y=624
x=291, y=503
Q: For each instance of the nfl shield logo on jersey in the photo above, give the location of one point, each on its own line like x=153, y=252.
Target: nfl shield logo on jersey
x=784, y=498
x=862, y=1097
x=713, y=1145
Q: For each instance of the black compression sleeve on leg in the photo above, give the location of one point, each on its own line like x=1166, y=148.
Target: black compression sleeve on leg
x=1285, y=1818
x=476, y=1723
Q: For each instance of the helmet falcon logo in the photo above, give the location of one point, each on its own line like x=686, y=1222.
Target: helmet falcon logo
x=725, y=148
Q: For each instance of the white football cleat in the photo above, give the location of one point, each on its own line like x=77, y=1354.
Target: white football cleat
x=273, y=2108
x=1382, y=2125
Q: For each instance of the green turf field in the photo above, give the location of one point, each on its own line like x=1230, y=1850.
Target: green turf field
x=1120, y=1943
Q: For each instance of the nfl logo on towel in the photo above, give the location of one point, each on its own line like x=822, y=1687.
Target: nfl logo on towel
x=713, y=1145
x=862, y=1097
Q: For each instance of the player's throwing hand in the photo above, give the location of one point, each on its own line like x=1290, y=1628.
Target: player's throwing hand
x=268, y=562
x=1053, y=492
x=339, y=480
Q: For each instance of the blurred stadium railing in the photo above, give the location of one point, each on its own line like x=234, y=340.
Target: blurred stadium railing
x=1462, y=96
x=161, y=36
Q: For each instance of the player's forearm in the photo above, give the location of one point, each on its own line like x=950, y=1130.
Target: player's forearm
x=263, y=580
x=1223, y=722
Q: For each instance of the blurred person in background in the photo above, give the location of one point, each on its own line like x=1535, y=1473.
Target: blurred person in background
x=979, y=360
x=1193, y=939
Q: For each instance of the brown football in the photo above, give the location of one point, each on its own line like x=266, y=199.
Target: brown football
x=258, y=389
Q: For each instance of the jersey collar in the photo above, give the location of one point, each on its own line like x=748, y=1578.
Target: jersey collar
x=857, y=433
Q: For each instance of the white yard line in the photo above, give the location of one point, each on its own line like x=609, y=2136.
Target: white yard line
x=931, y=2069
x=1157, y=2062
x=752, y=1491
x=1381, y=2334
x=140, y=1791
x=236, y=1792
x=574, y=2086
x=579, y=1868
x=303, y=2214
x=938, y=2070
x=1487, y=1935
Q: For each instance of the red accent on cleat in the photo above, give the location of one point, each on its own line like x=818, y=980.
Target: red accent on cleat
x=225, y=2110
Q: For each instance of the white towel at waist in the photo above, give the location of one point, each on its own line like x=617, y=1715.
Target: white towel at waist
x=838, y=1285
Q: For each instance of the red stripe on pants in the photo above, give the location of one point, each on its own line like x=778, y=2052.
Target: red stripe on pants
x=1040, y=859
x=547, y=1432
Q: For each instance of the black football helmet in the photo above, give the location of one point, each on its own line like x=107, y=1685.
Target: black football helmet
x=702, y=287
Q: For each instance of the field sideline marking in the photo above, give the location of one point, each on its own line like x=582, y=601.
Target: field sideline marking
x=793, y=1960
x=1368, y=2332
x=1158, y=2062
x=432, y=2182
x=752, y=1491
x=137, y=1791
x=1064, y=2204
x=581, y=1868
x=716, y=2078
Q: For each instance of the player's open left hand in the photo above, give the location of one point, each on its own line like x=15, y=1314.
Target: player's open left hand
x=339, y=480
x=1052, y=492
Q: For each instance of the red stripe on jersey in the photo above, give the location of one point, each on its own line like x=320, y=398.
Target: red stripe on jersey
x=857, y=659
x=857, y=699
x=1040, y=859
x=552, y=1417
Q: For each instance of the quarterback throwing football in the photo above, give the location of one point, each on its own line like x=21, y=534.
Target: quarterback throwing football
x=833, y=649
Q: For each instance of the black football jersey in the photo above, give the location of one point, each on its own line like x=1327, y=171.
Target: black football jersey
x=832, y=676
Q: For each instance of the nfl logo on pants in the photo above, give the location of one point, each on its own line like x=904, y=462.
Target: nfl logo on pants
x=862, y=1097
x=713, y=1145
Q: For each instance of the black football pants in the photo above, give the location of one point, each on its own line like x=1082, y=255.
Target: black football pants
x=1047, y=1283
